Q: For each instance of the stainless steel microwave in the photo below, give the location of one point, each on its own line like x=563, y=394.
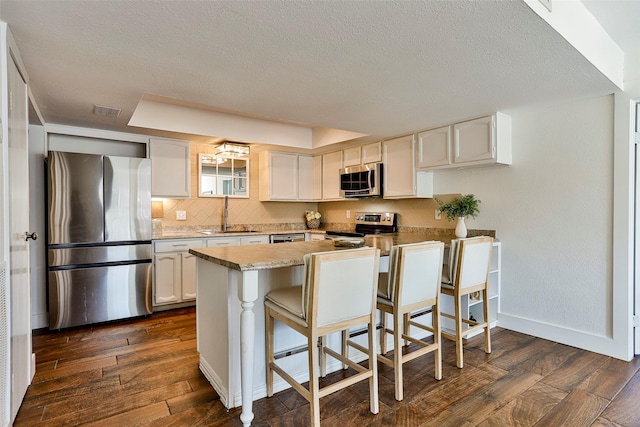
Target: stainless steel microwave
x=361, y=181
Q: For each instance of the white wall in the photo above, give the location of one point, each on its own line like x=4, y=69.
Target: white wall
x=553, y=211
x=37, y=212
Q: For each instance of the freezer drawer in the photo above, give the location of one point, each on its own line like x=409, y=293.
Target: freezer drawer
x=91, y=295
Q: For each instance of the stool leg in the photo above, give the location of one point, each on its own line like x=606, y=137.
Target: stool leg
x=323, y=356
x=383, y=333
x=487, y=330
x=459, y=348
x=269, y=350
x=406, y=327
x=345, y=347
x=373, y=365
x=397, y=349
x=314, y=386
x=435, y=322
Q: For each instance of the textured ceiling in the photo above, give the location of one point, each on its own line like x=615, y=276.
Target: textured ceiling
x=379, y=68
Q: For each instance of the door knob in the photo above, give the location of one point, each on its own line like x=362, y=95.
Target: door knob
x=33, y=236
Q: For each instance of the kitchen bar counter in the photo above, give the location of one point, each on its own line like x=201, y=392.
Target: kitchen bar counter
x=262, y=257
x=231, y=284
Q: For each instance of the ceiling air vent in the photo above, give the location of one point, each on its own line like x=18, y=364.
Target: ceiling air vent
x=106, y=111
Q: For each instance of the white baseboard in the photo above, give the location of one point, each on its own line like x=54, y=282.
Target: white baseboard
x=574, y=338
x=215, y=382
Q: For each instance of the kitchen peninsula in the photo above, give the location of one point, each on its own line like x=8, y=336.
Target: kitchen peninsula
x=232, y=282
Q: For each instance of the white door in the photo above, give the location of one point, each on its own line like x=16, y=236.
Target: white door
x=20, y=308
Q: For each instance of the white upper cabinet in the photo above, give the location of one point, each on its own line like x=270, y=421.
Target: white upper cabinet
x=317, y=178
x=306, y=176
x=331, y=165
x=482, y=141
x=170, y=168
x=401, y=179
x=478, y=142
x=351, y=156
x=286, y=177
x=372, y=153
x=361, y=155
x=434, y=148
x=278, y=176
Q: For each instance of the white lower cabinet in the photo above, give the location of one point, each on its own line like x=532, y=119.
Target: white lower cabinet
x=174, y=268
x=174, y=271
x=472, y=305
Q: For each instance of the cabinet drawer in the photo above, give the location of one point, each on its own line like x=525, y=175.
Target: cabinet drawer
x=224, y=241
x=178, y=245
x=254, y=240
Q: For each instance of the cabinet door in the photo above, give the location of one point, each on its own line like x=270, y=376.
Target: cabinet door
x=351, y=156
x=188, y=276
x=434, y=148
x=474, y=140
x=305, y=178
x=371, y=153
x=399, y=167
x=283, y=170
x=170, y=168
x=167, y=277
x=317, y=178
x=331, y=165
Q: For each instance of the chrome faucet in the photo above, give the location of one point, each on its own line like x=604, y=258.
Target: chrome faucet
x=226, y=214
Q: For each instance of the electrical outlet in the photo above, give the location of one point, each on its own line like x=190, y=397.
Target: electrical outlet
x=181, y=215
x=438, y=214
x=348, y=214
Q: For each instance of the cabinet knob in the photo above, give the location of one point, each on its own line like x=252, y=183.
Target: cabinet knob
x=32, y=236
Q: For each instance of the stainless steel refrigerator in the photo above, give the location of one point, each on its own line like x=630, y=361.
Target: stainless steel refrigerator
x=98, y=238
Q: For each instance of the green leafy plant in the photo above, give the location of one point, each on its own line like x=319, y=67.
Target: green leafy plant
x=466, y=205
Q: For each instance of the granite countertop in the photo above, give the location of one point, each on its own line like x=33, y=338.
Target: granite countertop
x=263, y=257
x=193, y=234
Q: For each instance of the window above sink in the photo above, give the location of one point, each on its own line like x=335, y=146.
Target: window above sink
x=220, y=176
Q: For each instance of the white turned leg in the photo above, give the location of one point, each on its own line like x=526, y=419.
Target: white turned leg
x=247, y=294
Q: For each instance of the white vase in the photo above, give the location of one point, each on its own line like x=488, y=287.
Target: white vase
x=461, y=228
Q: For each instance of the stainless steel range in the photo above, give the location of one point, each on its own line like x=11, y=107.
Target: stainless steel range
x=376, y=222
x=371, y=223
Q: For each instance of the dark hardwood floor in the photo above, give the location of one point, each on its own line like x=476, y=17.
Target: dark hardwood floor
x=145, y=373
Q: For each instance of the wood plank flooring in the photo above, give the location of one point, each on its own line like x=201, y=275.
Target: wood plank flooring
x=145, y=373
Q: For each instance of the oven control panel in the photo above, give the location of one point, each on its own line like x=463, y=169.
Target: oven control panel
x=376, y=218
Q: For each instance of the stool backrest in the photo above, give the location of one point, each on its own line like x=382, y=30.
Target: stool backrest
x=340, y=285
x=416, y=272
x=469, y=261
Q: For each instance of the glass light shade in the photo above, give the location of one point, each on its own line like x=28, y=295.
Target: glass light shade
x=232, y=150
